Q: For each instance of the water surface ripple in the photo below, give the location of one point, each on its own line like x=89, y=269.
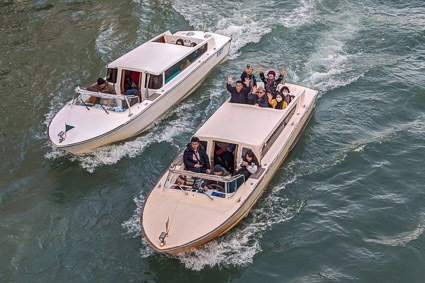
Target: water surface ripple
x=347, y=205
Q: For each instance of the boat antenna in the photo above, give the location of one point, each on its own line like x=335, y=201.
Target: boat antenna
x=205, y=27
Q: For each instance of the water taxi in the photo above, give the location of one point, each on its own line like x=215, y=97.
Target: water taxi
x=181, y=212
x=164, y=71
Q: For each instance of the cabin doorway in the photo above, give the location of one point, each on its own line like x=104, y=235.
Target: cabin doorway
x=225, y=155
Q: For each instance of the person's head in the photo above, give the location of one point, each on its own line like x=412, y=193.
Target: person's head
x=284, y=89
x=194, y=142
x=279, y=97
x=179, y=41
x=101, y=82
x=249, y=156
x=260, y=91
x=218, y=170
x=239, y=86
x=193, y=44
x=249, y=69
x=271, y=74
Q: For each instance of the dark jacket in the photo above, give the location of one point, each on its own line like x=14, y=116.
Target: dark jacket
x=252, y=80
x=190, y=160
x=262, y=102
x=271, y=87
x=238, y=97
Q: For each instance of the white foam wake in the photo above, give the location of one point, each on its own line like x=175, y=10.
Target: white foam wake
x=244, y=22
x=238, y=246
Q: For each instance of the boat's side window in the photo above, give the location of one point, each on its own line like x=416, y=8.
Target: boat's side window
x=174, y=70
x=155, y=82
x=111, y=75
x=277, y=132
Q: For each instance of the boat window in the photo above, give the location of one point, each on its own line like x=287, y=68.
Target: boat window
x=277, y=132
x=129, y=82
x=174, y=70
x=111, y=75
x=104, y=101
x=211, y=185
x=155, y=82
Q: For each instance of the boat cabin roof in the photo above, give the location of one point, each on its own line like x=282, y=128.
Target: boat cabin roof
x=153, y=57
x=241, y=124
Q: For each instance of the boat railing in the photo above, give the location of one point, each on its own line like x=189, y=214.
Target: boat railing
x=218, y=186
x=105, y=101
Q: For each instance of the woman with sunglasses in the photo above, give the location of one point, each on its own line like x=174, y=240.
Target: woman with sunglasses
x=271, y=82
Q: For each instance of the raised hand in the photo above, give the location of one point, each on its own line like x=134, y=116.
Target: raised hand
x=229, y=80
x=269, y=95
x=247, y=81
x=254, y=89
x=261, y=69
x=282, y=72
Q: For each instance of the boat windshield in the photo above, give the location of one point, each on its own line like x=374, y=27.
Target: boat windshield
x=211, y=185
x=109, y=102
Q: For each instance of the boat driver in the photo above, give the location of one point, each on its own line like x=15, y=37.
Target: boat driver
x=102, y=86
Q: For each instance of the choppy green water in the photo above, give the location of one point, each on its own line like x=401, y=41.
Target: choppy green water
x=347, y=205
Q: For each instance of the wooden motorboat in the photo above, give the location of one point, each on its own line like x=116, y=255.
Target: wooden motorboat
x=180, y=213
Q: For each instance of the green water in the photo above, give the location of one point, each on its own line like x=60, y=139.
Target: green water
x=347, y=204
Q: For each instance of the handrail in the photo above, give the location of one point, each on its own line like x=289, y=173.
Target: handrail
x=103, y=95
x=205, y=176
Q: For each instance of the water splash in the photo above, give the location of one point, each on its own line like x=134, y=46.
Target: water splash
x=402, y=239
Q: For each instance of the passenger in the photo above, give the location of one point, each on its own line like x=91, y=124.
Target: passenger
x=102, y=86
x=131, y=87
x=218, y=171
x=271, y=83
x=223, y=155
x=180, y=42
x=260, y=97
x=286, y=93
x=240, y=92
x=195, y=157
x=247, y=165
x=278, y=102
x=248, y=73
x=193, y=44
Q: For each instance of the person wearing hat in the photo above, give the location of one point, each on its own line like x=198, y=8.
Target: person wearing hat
x=248, y=73
x=260, y=98
x=271, y=82
x=102, y=86
x=239, y=93
x=218, y=171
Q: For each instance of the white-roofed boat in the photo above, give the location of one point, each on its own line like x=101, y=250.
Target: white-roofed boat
x=177, y=215
x=166, y=73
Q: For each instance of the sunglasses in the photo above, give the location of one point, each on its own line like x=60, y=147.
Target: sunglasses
x=270, y=75
x=261, y=91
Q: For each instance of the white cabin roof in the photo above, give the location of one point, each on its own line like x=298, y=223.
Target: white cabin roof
x=153, y=57
x=241, y=124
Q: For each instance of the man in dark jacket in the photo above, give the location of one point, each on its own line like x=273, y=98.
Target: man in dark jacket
x=195, y=157
x=239, y=92
x=248, y=73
